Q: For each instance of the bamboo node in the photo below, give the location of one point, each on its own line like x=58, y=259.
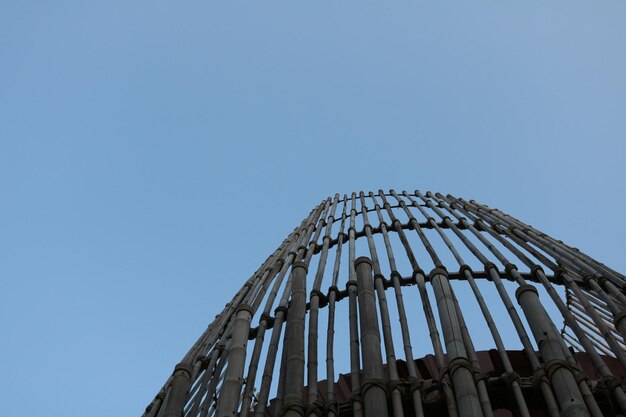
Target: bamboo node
x=395, y=274
x=417, y=272
x=245, y=307
x=457, y=363
x=332, y=406
x=534, y=271
x=430, y=391
x=489, y=266
x=587, y=277
x=558, y=274
x=415, y=384
x=300, y=265
x=381, y=277
x=510, y=267
x=373, y=382
x=317, y=409
x=479, y=375
x=510, y=377
x=183, y=369
x=538, y=377
x=437, y=271
x=579, y=375
x=464, y=268
x=553, y=365
x=522, y=289
x=252, y=334
x=279, y=309
x=393, y=385
x=612, y=382
x=265, y=317
x=293, y=405
x=619, y=317
x=362, y=259
x=204, y=362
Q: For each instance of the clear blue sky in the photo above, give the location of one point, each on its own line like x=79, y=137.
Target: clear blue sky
x=153, y=153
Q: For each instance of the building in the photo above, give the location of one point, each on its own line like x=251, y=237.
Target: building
x=411, y=304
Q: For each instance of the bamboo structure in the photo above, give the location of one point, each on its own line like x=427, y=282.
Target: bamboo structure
x=504, y=320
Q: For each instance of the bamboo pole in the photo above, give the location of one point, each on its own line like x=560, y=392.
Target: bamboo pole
x=373, y=387
x=228, y=403
x=332, y=406
x=353, y=321
x=294, y=379
x=316, y=294
x=467, y=398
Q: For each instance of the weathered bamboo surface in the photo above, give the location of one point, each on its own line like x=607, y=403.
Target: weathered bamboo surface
x=508, y=321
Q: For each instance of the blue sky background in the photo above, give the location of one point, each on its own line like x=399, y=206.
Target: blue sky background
x=154, y=153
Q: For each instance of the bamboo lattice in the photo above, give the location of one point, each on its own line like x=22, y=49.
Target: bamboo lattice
x=368, y=277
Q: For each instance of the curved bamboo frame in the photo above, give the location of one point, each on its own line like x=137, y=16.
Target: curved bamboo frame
x=575, y=371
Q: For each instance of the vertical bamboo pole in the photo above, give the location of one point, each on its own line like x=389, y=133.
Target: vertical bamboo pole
x=181, y=381
x=206, y=377
x=373, y=388
x=332, y=407
x=316, y=295
x=209, y=402
x=355, y=358
x=483, y=392
x=351, y=286
x=563, y=381
x=294, y=379
x=304, y=256
x=277, y=271
x=465, y=392
x=230, y=393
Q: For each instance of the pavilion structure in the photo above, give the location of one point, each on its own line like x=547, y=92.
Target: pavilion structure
x=411, y=304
